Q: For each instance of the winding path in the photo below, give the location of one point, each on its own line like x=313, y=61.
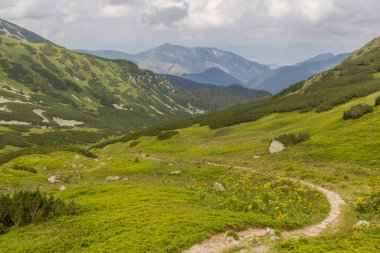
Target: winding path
x=219, y=243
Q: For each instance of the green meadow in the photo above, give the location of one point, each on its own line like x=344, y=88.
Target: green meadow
x=152, y=209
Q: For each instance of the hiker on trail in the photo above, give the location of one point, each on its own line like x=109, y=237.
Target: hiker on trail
x=140, y=151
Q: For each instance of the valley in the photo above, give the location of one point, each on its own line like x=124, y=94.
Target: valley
x=100, y=155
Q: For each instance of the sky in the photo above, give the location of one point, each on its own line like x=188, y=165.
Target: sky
x=267, y=31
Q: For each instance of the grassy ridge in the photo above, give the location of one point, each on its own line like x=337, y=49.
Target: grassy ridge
x=356, y=77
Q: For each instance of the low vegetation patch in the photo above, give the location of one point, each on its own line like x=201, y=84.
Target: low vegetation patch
x=25, y=207
x=25, y=168
x=134, y=143
x=357, y=111
x=293, y=139
x=369, y=204
x=233, y=234
x=43, y=150
x=280, y=198
x=166, y=135
x=377, y=101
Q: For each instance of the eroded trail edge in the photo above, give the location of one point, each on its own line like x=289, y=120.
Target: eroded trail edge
x=219, y=243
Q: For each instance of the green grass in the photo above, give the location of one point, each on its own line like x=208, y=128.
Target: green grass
x=154, y=210
x=340, y=155
x=150, y=209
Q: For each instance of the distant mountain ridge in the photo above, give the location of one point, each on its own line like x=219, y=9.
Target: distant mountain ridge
x=213, y=76
x=214, y=66
x=178, y=60
x=281, y=78
x=14, y=31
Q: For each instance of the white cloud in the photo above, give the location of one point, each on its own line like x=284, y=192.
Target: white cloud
x=113, y=11
x=77, y=23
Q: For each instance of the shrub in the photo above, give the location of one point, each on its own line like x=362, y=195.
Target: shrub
x=25, y=207
x=377, y=101
x=25, y=168
x=233, y=234
x=369, y=203
x=4, y=158
x=167, y=135
x=357, y=111
x=293, y=139
x=134, y=143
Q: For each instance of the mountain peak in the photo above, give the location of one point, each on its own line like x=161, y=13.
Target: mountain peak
x=14, y=31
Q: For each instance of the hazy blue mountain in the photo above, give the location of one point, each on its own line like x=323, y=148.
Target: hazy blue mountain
x=281, y=78
x=213, y=76
x=14, y=31
x=178, y=60
x=318, y=58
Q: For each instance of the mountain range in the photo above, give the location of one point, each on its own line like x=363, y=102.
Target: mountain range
x=179, y=60
x=17, y=32
x=215, y=66
x=46, y=85
x=278, y=79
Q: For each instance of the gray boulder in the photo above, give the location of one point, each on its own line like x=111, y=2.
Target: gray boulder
x=362, y=224
x=112, y=178
x=276, y=147
x=219, y=187
x=53, y=179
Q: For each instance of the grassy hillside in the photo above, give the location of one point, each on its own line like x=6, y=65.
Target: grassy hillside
x=341, y=155
x=52, y=96
x=162, y=211
x=356, y=77
x=168, y=187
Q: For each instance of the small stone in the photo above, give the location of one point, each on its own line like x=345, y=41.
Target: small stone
x=77, y=156
x=219, y=187
x=176, y=172
x=274, y=238
x=261, y=248
x=276, y=147
x=256, y=157
x=231, y=240
x=112, y=178
x=53, y=179
x=270, y=231
x=62, y=188
x=362, y=224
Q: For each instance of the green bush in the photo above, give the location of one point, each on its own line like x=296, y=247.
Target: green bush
x=377, y=101
x=232, y=233
x=25, y=207
x=167, y=135
x=4, y=158
x=134, y=143
x=25, y=168
x=357, y=111
x=369, y=204
x=293, y=139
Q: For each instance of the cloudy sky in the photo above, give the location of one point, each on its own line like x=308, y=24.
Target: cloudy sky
x=268, y=31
